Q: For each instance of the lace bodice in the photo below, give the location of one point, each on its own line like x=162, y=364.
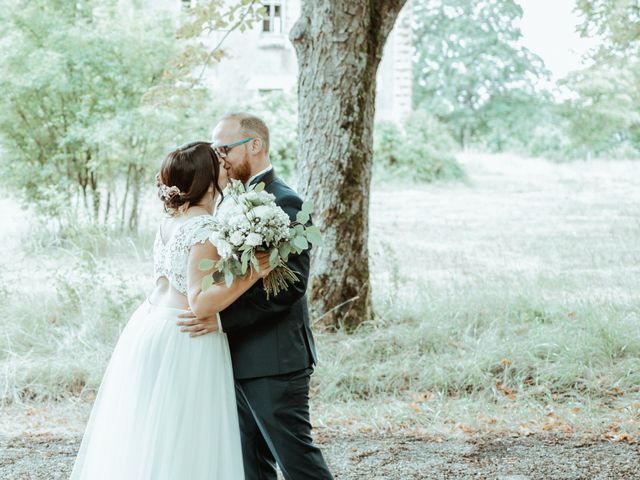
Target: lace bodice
x=170, y=259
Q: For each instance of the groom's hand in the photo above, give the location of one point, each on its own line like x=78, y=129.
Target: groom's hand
x=197, y=326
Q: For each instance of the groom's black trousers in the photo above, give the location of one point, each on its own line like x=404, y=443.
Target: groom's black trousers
x=275, y=427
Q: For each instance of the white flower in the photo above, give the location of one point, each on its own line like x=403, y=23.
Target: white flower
x=254, y=239
x=237, y=238
x=263, y=212
x=251, y=196
x=239, y=221
x=225, y=249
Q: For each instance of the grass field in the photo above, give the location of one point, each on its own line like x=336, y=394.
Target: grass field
x=510, y=302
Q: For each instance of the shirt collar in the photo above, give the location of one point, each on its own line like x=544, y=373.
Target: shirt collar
x=269, y=168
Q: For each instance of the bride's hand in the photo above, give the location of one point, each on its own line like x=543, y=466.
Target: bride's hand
x=263, y=263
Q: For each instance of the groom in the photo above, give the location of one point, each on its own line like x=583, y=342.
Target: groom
x=272, y=348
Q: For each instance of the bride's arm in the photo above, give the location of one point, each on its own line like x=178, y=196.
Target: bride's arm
x=217, y=297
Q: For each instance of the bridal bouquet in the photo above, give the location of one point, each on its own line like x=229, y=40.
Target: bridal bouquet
x=249, y=222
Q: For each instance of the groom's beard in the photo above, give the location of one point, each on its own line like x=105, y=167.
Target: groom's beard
x=241, y=171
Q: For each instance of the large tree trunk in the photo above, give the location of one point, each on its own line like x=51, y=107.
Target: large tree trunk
x=339, y=45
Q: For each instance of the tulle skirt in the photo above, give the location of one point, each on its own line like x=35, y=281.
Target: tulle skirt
x=166, y=406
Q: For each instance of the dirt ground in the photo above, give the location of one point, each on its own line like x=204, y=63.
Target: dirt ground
x=46, y=456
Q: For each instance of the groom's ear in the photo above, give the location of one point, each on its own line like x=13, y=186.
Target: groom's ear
x=256, y=145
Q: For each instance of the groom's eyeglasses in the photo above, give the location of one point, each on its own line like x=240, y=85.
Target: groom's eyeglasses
x=223, y=150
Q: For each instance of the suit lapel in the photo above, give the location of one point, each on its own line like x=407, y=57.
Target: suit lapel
x=267, y=178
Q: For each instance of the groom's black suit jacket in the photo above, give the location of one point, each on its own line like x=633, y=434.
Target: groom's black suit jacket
x=272, y=337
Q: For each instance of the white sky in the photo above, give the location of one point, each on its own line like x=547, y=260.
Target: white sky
x=548, y=29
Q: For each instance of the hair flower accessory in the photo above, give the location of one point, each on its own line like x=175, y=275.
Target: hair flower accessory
x=166, y=192
x=169, y=192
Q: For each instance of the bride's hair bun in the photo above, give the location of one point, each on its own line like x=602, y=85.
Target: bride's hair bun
x=185, y=176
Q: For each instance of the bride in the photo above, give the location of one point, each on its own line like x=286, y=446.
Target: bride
x=166, y=406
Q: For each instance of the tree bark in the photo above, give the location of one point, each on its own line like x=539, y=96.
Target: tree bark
x=136, y=186
x=339, y=45
x=107, y=208
x=123, y=211
x=95, y=194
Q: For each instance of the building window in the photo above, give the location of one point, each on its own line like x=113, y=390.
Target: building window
x=272, y=22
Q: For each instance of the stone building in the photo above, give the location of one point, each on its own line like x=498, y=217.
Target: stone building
x=263, y=59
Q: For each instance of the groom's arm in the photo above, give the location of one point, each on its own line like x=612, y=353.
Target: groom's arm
x=253, y=306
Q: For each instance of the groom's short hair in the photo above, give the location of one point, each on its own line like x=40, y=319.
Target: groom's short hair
x=251, y=126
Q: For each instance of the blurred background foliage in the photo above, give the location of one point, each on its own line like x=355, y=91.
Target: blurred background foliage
x=472, y=73
x=93, y=98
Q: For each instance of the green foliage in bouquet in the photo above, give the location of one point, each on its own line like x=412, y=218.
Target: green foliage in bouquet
x=250, y=222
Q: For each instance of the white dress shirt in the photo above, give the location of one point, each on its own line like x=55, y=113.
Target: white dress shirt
x=270, y=167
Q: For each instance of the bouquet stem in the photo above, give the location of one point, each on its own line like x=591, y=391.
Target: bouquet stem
x=279, y=279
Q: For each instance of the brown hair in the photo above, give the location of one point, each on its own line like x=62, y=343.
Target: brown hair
x=251, y=126
x=186, y=174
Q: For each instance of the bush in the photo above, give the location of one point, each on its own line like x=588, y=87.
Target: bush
x=280, y=111
x=551, y=142
x=422, y=150
x=89, y=106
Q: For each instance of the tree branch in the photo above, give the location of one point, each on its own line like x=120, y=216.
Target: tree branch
x=224, y=37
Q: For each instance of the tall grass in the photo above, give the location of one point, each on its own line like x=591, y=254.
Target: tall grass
x=514, y=292
x=480, y=341
x=63, y=310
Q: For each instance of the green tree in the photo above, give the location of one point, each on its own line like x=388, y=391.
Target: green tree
x=72, y=116
x=507, y=120
x=615, y=21
x=467, y=55
x=93, y=95
x=605, y=115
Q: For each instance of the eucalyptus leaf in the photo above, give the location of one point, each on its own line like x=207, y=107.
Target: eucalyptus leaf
x=236, y=265
x=313, y=235
x=259, y=187
x=302, y=217
x=207, y=281
x=245, y=262
x=285, y=250
x=300, y=243
x=274, y=257
x=307, y=206
x=205, y=264
x=228, y=278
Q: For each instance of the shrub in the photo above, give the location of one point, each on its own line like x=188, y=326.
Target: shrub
x=422, y=150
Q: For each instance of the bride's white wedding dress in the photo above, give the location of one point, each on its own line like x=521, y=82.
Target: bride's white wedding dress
x=166, y=406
